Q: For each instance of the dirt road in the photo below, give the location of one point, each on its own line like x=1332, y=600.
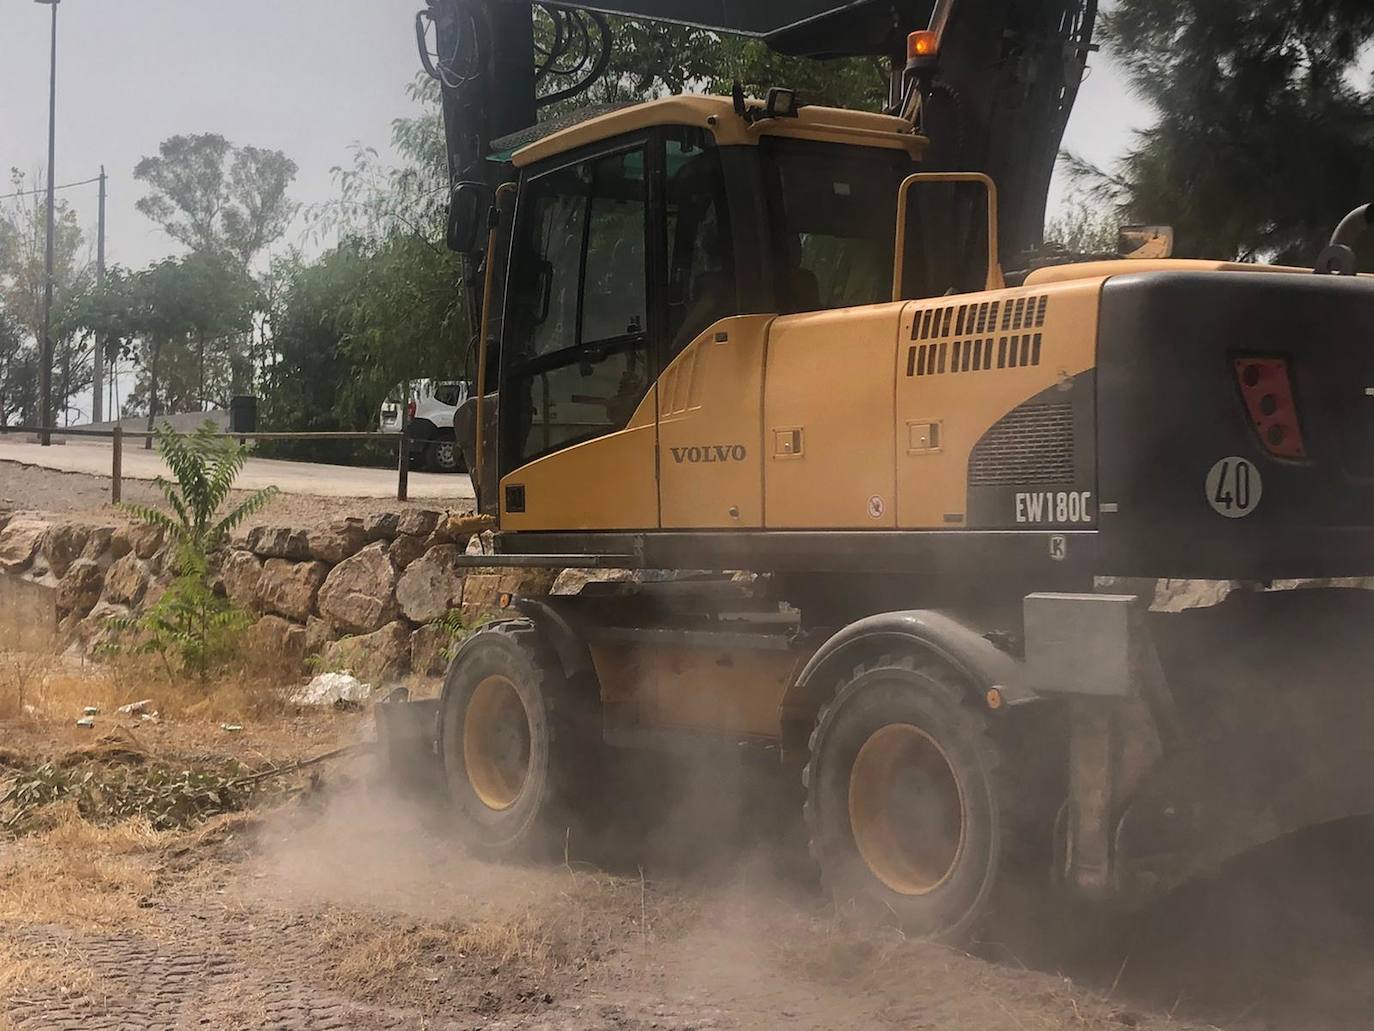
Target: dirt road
x=87, y=497
x=349, y=905
x=93, y=458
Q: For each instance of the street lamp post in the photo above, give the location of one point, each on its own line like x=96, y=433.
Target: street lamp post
x=45, y=346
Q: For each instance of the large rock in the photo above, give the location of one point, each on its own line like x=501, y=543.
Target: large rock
x=241, y=572
x=119, y=543
x=571, y=581
x=376, y=657
x=80, y=588
x=405, y=549
x=342, y=539
x=319, y=635
x=359, y=595
x=96, y=632
x=279, y=542
x=380, y=526
x=62, y=545
x=145, y=540
x=126, y=581
x=289, y=588
x=98, y=545
x=418, y=522
x=482, y=592
x=428, y=648
x=19, y=543
x=277, y=644
x=431, y=585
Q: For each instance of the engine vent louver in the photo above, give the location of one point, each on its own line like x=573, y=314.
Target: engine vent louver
x=1031, y=445
x=977, y=337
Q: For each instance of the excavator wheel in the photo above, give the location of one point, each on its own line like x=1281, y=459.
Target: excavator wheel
x=901, y=799
x=517, y=744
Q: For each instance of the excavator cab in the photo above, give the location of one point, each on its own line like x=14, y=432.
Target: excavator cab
x=634, y=238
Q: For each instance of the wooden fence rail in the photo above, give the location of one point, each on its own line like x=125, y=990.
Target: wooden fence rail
x=117, y=435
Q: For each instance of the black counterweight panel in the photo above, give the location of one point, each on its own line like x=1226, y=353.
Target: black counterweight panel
x=1170, y=408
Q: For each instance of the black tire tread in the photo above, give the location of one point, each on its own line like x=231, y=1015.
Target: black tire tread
x=974, y=722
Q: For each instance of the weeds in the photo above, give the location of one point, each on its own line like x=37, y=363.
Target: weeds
x=190, y=620
x=166, y=798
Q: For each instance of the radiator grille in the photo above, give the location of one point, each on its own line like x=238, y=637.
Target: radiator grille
x=1032, y=445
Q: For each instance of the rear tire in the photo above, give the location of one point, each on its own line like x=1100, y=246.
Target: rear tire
x=901, y=804
x=519, y=747
x=445, y=456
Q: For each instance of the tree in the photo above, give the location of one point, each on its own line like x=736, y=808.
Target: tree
x=18, y=371
x=23, y=278
x=190, y=619
x=175, y=319
x=215, y=198
x=1264, y=129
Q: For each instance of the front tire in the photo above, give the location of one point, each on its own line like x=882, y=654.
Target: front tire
x=518, y=745
x=901, y=803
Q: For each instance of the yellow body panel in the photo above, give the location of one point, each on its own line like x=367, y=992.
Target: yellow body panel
x=828, y=389
x=737, y=692
x=1018, y=343
x=717, y=115
x=710, y=434
x=602, y=484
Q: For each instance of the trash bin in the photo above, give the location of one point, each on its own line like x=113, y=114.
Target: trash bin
x=243, y=414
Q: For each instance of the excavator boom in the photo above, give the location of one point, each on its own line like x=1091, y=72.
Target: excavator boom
x=1008, y=76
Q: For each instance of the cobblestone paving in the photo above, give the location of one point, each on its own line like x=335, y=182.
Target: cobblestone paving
x=143, y=984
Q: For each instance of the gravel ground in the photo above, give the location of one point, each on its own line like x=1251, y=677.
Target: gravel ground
x=87, y=498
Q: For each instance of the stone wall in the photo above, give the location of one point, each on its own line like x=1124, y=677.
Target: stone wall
x=360, y=593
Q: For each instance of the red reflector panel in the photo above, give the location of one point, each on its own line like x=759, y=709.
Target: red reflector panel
x=1268, y=393
x=410, y=410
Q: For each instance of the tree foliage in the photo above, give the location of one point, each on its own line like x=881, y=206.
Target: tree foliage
x=23, y=278
x=216, y=198
x=1264, y=126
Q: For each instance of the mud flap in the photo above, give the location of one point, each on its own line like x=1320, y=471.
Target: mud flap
x=407, y=743
x=1094, y=652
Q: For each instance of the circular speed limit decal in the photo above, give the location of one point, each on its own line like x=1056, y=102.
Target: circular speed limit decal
x=1234, y=487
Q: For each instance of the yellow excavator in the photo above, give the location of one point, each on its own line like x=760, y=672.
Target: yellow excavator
x=1023, y=552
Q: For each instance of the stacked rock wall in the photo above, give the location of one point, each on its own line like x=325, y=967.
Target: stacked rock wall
x=365, y=594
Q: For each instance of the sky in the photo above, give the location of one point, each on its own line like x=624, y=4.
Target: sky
x=309, y=77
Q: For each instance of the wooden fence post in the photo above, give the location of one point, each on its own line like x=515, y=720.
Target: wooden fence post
x=116, y=463
x=403, y=467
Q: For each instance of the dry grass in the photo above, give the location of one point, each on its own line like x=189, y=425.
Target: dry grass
x=57, y=690
x=78, y=874
x=41, y=968
x=375, y=956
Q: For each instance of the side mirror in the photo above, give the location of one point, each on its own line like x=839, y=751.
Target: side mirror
x=468, y=206
x=1139, y=243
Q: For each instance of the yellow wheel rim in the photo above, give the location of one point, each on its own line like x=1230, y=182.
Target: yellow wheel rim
x=496, y=742
x=906, y=809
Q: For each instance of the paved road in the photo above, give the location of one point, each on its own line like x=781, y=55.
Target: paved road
x=336, y=481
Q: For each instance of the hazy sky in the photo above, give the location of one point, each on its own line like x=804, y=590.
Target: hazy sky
x=307, y=76
x=310, y=77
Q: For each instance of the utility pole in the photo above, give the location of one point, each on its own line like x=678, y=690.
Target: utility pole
x=98, y=359
x=45, y=346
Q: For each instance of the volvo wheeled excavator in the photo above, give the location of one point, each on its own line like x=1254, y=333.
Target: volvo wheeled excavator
x=1039, y=570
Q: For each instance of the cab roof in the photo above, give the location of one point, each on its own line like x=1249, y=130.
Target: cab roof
x=717, y=115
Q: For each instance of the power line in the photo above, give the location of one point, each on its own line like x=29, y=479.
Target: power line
x=30, y=193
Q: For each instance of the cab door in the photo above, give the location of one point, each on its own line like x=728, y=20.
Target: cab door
x=577, y=408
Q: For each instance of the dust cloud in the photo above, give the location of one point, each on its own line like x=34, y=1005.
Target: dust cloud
x=696, y=894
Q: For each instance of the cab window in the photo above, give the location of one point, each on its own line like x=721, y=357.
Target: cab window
x=833, y=210
x=575, y=354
